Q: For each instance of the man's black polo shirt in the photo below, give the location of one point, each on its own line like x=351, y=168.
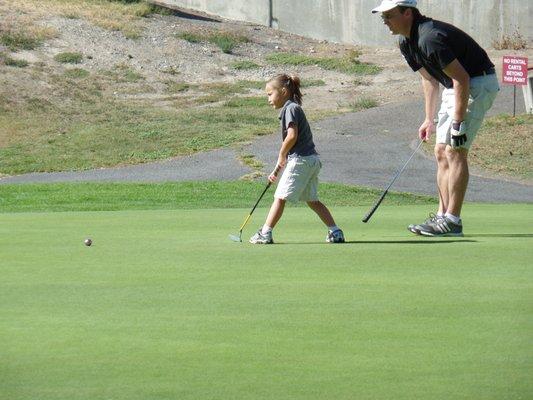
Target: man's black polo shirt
x=434, y=45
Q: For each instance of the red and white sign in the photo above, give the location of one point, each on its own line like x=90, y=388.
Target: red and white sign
x=514, y=70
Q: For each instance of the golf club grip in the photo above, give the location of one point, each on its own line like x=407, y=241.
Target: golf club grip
x=375, y=207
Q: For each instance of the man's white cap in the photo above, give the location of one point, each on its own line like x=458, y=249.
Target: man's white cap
x=387, y=5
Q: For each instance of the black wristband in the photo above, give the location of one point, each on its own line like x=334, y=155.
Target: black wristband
x=456, y=125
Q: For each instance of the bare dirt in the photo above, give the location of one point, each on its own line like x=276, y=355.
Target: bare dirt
x=159, y=56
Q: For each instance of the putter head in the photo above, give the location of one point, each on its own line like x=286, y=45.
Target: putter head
x=236, y=238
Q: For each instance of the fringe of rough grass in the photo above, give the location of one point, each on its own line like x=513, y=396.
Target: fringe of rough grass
x=181, y=195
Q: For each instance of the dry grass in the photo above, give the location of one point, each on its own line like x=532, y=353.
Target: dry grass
x=115, y=16
x=21, y=32
x=514, y=41
x=505, y=145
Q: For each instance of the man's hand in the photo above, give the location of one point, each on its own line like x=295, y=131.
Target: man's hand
x=458, y=133
x=426, y=129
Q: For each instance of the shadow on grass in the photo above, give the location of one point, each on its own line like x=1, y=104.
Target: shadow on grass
x=422, y=241
x=501, y=235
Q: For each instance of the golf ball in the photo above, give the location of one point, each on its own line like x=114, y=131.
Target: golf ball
x=88, y=242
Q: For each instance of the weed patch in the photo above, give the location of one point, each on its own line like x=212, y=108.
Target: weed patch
x=21, y=33
x=76, y=73
x=348, y=64
x=225, y=41
x=244, y=65
x=12, y=62
x=363, y=104
x=69, y=58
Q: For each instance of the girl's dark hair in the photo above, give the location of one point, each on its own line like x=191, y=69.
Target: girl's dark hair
x=415, y=11
x=291, y=83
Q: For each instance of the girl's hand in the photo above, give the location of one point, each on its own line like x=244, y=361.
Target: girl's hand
x=274, y=174
x=282, y=160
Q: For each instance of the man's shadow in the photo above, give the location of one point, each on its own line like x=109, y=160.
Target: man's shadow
x=501, y=235
x=419, y=241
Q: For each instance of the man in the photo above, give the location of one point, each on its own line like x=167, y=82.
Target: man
x=443, y=54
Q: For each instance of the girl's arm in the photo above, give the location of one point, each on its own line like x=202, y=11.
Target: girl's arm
x=288, y=143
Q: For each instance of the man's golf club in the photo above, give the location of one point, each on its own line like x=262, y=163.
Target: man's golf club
x=378, y=202
x=238, y=238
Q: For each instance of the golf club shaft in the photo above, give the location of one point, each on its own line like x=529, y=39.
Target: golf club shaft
x=378, y=202
x=275, y=173
x=255, y=205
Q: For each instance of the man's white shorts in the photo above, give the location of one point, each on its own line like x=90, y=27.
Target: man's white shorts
x=299, y=181
x=483, y=91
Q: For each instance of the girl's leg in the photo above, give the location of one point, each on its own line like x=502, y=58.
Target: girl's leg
x=275, y=213
x=322, y=211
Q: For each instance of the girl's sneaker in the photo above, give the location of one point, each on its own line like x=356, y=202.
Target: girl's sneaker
x=335, y=236
x=259, y=238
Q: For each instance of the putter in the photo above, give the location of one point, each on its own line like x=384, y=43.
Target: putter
x=238, y=238
x=380, y=199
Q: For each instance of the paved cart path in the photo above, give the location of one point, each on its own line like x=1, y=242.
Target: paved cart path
x=364, y=148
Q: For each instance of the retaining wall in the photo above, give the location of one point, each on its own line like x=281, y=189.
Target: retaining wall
x=350, y=21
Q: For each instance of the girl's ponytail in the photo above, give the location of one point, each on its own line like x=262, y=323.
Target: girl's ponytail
x=292, y=84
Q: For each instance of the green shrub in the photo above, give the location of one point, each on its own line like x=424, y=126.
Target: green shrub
x=76, y=73
x=69, y=57
x=349, y=64
x=19, y=41
x=15, y=63
x=190, y=37
x=244, y=65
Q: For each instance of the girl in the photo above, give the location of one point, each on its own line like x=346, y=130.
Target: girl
x=299, y=181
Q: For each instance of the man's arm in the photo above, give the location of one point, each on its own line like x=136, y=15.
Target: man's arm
x=461, y=88
x=431, y=95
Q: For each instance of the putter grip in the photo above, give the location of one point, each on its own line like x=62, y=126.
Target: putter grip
x=374, y=207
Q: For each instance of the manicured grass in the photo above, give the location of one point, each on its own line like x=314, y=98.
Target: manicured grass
x=184, y=195
x=164, y=306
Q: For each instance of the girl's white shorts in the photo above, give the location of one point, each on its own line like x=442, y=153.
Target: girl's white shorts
x=299, y=181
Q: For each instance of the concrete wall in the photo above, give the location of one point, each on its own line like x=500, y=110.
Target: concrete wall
x=350, y=21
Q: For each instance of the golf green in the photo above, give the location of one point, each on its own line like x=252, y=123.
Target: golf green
x=164, y=306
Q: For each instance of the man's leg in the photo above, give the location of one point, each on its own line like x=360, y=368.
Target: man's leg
x=443, y=176
x=457, y=179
